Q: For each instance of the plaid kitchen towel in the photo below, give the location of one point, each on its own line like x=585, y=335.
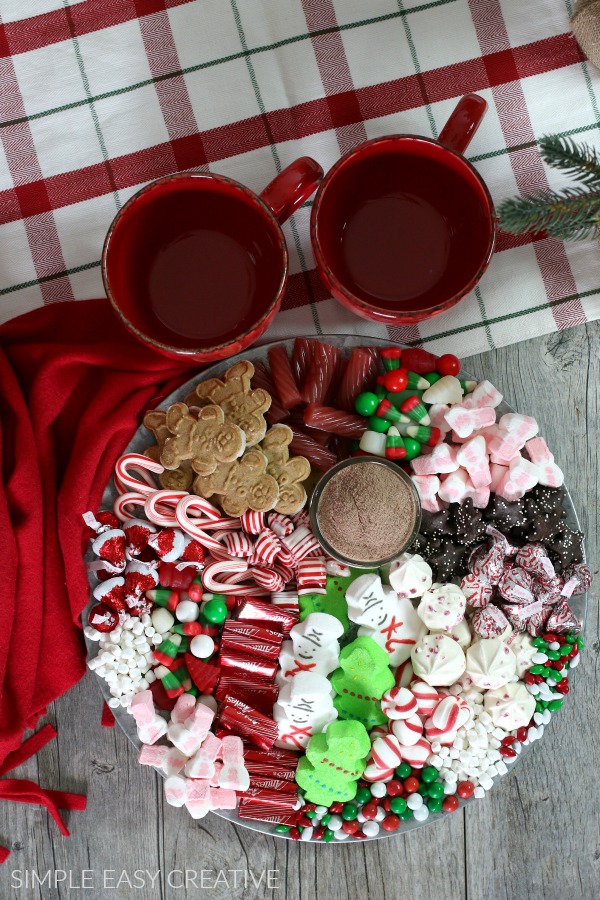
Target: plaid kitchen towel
x=98, y=97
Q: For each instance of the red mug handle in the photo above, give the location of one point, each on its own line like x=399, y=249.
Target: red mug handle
x=463, y=123
x=288, y=190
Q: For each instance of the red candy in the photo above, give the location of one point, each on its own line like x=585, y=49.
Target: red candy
x=390, y=823
x=102, y=618
x=369, y=810
x=321, y=370
x=465, y=789
x=419, y=361
x=301, y=357
x=448, y=364
x=319, y=457
x=395, y=380
x=394, y=788
x=350, y=827
x=450, y=804
x=411, y=784
x=357, y=377
x=334, y=421
x=285, y=383
x=262, y=379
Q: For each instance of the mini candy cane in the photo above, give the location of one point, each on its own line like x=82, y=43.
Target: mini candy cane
x=229, y=568
x=280, y=524
x=301, y=542
x=160, y=507
x=253, y=522
x=311, y=575
x=125, y=500
x=196, y=528
x=267, y=579
x=141, y=464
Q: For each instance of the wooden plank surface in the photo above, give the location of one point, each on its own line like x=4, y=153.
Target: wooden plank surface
x=536, y=836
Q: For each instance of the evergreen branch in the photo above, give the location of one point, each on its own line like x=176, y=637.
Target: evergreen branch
x=571, y=214
x=580, y=161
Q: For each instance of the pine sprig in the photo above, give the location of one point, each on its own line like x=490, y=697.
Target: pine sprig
x=570, y=214
x=580, y=161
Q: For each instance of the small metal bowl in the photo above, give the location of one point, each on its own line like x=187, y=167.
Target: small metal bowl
x=314, y=511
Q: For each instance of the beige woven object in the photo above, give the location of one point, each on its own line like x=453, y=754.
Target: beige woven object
x=586, y=28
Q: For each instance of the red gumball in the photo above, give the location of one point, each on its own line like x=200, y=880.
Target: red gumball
x=450, y=804
x=465, y=789
x=395, y=380
x=350, y=827
x=448, y=364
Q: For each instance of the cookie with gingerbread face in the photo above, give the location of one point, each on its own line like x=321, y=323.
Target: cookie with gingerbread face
x=241, y=485
x=207, y=440
x=241, y=404
x=179, y=479
x=289, y=473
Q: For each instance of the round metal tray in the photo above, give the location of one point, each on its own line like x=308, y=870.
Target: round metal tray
x=144, y=438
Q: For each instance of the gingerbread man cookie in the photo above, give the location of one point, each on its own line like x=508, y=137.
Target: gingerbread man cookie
x=171, y=479
x=242, y=485
x=242, y=405
x=288, y=473
x=206, y=440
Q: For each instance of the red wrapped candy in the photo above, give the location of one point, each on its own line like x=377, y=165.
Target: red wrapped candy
x=243, y=637
x=516, y=586
x=534, y=559
x=258, y=695
x=562, y=619
x=247, y=668
x=250, y=609
x=102, y=618
x=477, y=590
x=250, y=724
x=489, y=621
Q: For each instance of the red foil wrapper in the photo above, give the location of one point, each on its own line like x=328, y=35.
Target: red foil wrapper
x=251, y=639
x=277, y=753
x=243, y=666
x=261, y=696
x=250, y=810
x=489, y=621
x=281, y=800
x=261, y=783
x=241, y=719
x=534, y=559
x=488, y=562
x=250, y=609
x=516, y=586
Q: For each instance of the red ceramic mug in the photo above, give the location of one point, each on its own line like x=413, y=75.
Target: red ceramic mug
x=196, y=264
x=403, y=226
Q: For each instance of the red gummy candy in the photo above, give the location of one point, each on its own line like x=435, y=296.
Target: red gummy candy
x=321, y=370
x=301, y=357
x=335, y=421
x=281, y=372
x=417, y=360
x=358, y=377
x=319, y=457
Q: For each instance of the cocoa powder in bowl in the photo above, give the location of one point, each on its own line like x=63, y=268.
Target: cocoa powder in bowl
x=367, y=511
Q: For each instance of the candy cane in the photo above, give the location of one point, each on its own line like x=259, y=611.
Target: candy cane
x=160, y=507
x=141, y=464
x=196, y=528
x=231, y=568
x=123, y=501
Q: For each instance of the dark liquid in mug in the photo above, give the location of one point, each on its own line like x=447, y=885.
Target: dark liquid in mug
x=405, y=232
x=202, y=267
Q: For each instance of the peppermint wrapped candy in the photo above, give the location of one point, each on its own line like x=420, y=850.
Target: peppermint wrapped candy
x=516, y=586
x=562, y=619
x=477, y=590
x=534, y=560
x=577, y=579
x=489, y=622
x=488, y=562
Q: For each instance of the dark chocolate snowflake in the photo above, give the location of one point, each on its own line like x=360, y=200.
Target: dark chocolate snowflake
x=447, y=562
x=504, y=514
x=566, y=548
x=469, y=527
x=543, y=527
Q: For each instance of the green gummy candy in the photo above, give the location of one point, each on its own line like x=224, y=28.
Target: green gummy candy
x=333, y=601
x=333, y=763
x=361, y=681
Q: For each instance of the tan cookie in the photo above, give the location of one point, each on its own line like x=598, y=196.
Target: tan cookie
x=242, y=485
x=172, y=479
x=206, y=440
x=288, y=473
x=241, y=405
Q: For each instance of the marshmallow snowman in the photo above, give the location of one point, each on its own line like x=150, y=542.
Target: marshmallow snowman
x=304, y=708
x=384, y=616
x=313, y=647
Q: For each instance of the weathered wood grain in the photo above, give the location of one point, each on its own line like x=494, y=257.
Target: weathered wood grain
x=537, y=836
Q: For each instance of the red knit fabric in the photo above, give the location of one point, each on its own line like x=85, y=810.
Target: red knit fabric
x=73, y=384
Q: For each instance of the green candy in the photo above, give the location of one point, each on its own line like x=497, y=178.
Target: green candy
x=539, y=642
x=193, y=691
x=398, y=805
x=538, y=670
x=436, y=790
x=432, y=377
x=333, y=763
x=580, y=643
x=554, y=704
x=565, y=649
x=403, y=770
x=350, y=812
x=379, y=425
x=327, y=818
x=553, y=655
x=429, y=773
x=366, y=404
x=333, y=601
x=423, y=789
x=328, y=836
x=538, y=706
x=406, y=815
x=215, y=610
x=310, y=814
x=553, y=674
x=363, y=795
x=361, y=681
x=412, y=447
x=435, y=804
x=379, y=392
x=398, y=399
x=282, y=829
